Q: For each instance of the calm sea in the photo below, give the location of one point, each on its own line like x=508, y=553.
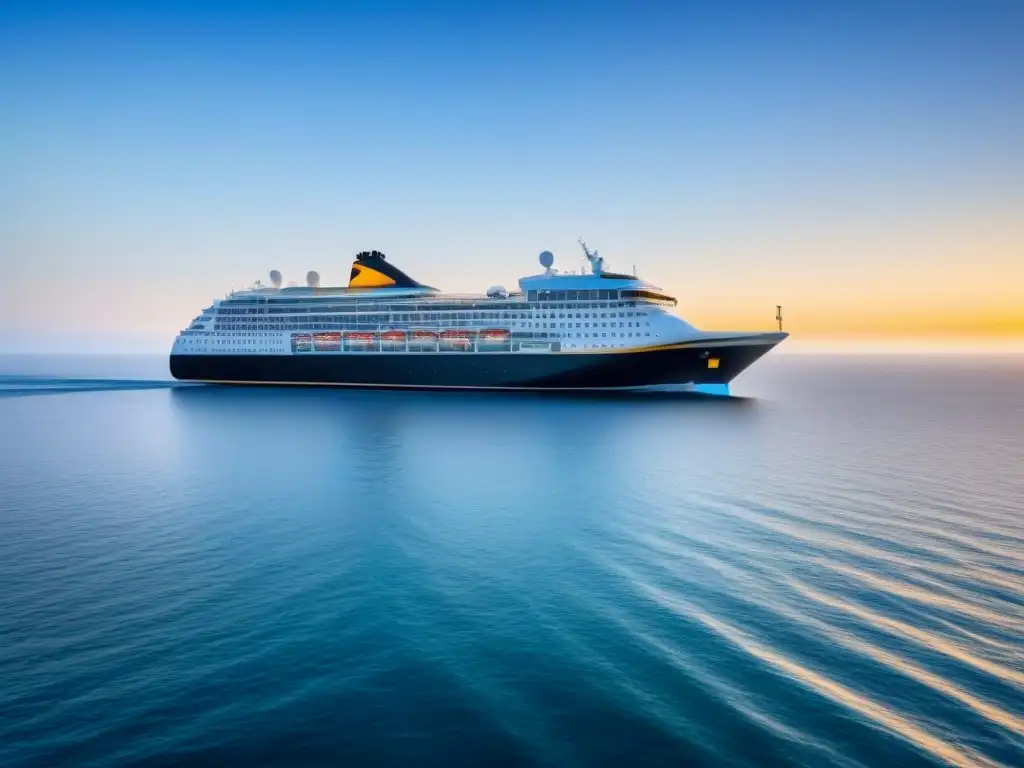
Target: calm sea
x=828, y=570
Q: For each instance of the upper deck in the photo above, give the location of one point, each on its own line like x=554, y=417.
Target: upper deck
x=548, y=287
x=378, y=288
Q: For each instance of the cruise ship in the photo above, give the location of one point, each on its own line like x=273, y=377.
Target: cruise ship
x=586, y=329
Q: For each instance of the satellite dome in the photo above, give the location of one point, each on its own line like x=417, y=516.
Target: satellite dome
x=547, y=258
x=313, y=279
x=275, y=278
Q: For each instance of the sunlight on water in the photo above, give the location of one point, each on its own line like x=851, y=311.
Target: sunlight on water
x=899, y=725
x=927, y=639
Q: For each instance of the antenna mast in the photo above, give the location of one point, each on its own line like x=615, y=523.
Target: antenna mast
x=778, y=315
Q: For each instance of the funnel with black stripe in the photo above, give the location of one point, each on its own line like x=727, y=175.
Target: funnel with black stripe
x=372, y=270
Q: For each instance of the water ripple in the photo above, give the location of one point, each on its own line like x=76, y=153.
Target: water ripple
x=24, y=386
x=929, y=640
x=831, y=576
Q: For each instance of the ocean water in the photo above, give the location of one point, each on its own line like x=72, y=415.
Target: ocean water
x=825, y=570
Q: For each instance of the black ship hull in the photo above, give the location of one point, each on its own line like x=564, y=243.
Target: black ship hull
x=708, y=362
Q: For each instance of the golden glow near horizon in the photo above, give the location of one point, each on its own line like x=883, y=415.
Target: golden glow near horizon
x=946, y=286
x=957, y=278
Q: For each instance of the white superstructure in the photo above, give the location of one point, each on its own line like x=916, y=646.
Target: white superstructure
x=552, y=312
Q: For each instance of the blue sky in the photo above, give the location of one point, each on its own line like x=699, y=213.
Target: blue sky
x=740, y=154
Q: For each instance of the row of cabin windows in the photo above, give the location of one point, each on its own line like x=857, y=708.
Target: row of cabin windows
x=520, y=335
x=596, y=334
x=347, y=326
x=354, y=325
x=427, y=317
x=590, y=295
x=516, y=307
x=234, y=335
x=622, y=324
x=246, y=339
x=588, y=325
x=249, y=340
x=539, y=295
x=546, y=315
x=542, y=335
x=417, y=317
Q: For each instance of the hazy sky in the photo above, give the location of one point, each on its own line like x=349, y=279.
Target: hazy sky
x=862, y=166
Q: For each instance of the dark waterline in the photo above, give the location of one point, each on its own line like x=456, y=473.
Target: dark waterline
x=826, y=570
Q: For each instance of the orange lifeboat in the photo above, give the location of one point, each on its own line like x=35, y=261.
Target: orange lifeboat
x=496, y=334
x=494, y=339
x=392, y=340
x=360, y=340
x=327, y=342
x=423, y=341
x=457, y=340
